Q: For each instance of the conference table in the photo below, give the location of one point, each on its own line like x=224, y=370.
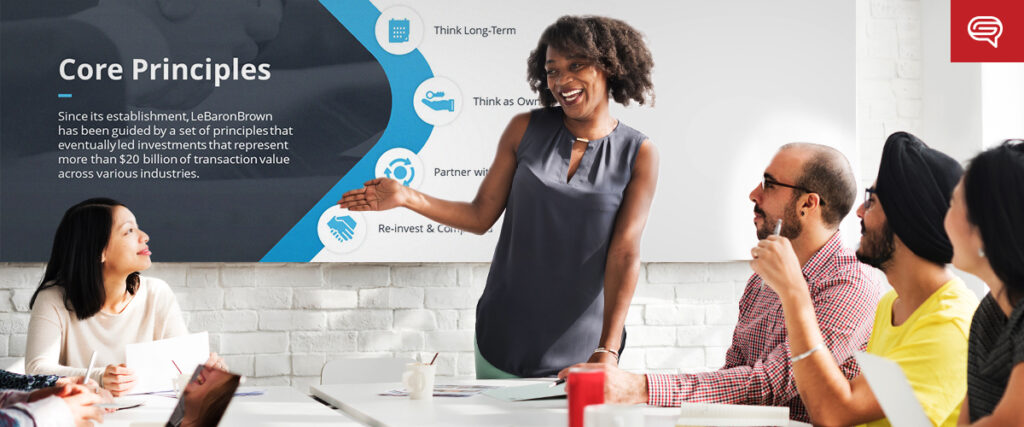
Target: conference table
x=277, y=406
x=363, y=403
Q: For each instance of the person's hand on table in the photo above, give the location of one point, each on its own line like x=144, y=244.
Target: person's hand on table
x=216, y=361
x=93, y=386
x=619, y=386
x=118, y=379
x=62, y=381
x=776, y=262
x=376, y=195
x=79, y=400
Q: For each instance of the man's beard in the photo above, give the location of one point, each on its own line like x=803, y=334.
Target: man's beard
x=791, y=226
x=877, y=247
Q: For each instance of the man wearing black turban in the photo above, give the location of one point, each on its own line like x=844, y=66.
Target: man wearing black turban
x=914, y=186
x=922, y=323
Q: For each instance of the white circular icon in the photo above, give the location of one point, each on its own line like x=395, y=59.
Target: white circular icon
x=341, y=230
x=401, y=165
x=399, y=30
x=437, y=101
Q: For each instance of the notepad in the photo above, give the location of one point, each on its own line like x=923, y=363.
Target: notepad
x=528, y=392
x=151, y=361
x=717, y=414
x=892, y=391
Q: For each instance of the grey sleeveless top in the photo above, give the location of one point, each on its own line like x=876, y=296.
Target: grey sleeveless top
x=542, y=308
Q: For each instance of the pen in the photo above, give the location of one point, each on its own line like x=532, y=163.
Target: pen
x=557, y=382
x=88, y=372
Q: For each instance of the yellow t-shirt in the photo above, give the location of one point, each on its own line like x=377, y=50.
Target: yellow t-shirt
x=931, y=347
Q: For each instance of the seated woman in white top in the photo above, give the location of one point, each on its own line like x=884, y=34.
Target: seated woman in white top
x=92, y=298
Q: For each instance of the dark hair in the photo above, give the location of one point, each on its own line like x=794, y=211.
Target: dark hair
x=829, y=174
x=75, y=261
x=994, y=192
x=615, y=47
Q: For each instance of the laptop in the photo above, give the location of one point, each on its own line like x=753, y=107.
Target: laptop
x=205, y=398
x=893, y=391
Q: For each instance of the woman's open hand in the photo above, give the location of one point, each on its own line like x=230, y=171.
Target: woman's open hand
x=376, y=195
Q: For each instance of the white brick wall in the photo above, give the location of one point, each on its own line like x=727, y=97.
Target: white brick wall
x=279, y=323
x=889, y=84
x=280, y=329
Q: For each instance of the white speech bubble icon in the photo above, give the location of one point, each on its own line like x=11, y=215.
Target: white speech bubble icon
x=985, y=29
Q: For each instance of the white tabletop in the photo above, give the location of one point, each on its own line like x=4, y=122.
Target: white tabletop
x=278, y=406
x=362, y=403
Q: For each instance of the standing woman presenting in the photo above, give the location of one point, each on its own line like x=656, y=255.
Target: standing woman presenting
x=575, y=185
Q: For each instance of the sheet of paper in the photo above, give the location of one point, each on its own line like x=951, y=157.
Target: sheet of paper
x=719, y=414
x=527, y=392
x=152, y=361
x=445, y=390
x=892, y=390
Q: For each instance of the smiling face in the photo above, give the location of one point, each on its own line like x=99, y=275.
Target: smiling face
x=127, y=250
x=577, y=83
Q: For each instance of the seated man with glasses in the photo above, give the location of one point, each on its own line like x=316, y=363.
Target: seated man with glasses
x=811, y=188
x=922, y=323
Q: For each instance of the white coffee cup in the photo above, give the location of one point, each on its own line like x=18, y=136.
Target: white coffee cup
x=613, y=415
x=418, y=379
x=181, y=381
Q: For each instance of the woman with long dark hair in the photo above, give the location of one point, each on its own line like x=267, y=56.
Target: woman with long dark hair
x=985, y=223
x=92, y=298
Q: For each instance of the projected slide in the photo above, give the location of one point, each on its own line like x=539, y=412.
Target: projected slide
x=232, y=128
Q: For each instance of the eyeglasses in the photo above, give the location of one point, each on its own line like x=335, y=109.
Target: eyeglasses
x=767, y=183
x=867, y=197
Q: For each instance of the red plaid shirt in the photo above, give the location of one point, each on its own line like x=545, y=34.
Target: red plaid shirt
x=757, y=369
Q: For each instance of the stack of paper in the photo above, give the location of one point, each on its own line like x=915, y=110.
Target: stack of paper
x=716, y=414
x=157, y=363
x=445, y=390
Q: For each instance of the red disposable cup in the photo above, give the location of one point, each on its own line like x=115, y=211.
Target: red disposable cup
x=585, y=386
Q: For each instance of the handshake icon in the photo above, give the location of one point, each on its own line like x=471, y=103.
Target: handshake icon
x=342, y=228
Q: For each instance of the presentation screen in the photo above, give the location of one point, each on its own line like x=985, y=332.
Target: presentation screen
x=232, y=128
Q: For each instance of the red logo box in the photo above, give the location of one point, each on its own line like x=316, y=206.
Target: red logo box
x=986, y=31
